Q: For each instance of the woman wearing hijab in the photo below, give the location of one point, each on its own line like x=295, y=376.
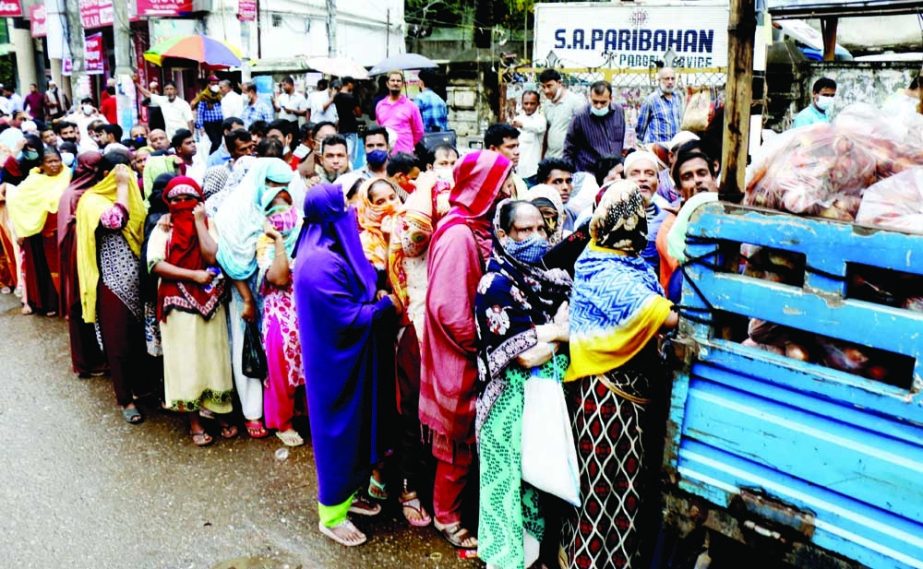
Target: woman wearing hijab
x=617, y=311
x=548, y=201
x=193, y=328
x=521, y=315
x=274, y=255
x=86, y=356
x=110, y=215
x=15, y=170
x=33, y=207
x=239, y=223
x=377, y=204
x=448, y=379
x=337, y=304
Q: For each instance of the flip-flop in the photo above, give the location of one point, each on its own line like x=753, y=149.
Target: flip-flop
x=290, y=438
x=256, y=430
x=377, y=490
x=228, y=431
x=132, y=416
x=201, y=439
x=369, y=508
x=332, y=535
x=414, y=504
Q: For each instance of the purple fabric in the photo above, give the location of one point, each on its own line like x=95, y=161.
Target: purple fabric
x=334, y=297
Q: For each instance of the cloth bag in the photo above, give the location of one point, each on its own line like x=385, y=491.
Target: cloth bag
x=549, y=455
x=698, y=109
x=253, y=361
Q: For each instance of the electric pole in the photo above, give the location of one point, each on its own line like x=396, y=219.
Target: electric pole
x=75, y=44
x=332, y=28
x=125, y=86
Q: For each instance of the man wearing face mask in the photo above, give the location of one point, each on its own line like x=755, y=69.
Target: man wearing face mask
x=67, y=132
x=661, y=114
x=824, y=92
x=560, y=107
x=255, y=109
x=403, y=170
x=597, y=130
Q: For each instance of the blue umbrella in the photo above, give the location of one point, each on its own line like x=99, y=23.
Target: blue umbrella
x=401, y=62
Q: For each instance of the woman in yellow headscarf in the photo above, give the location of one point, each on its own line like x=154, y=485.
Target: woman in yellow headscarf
x=33, y=208
x=110, y=230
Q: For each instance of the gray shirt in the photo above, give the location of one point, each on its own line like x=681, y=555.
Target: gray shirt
x=559, y=117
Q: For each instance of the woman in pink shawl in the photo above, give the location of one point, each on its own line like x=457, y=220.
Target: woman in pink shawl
x=448, y=387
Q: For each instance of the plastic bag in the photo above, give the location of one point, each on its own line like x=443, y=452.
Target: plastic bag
x=698, y=109
x=254, y=358
x=823, y=169
x=895, y=203
x=549, y=455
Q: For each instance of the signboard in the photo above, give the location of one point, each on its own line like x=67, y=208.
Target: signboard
x=95, y=54
x=67, y=66
x=10, y=8
x=96, y=13
x=37, y=21
x=632, y=35
x=163, y=7
x=246, y=10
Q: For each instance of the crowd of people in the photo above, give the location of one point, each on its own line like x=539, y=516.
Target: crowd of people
x=409, y=299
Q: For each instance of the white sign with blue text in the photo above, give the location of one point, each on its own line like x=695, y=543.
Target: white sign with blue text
x=628, y=35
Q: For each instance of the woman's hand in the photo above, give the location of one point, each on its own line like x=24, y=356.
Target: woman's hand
x=248, y=313
x=164, y=222
x=398, y=306
x=271, y=232
x=203, y=277
x=122, y=174
x=198, y=213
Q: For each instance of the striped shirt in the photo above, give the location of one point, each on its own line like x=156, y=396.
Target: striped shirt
x=660, y=117
x=591, y=138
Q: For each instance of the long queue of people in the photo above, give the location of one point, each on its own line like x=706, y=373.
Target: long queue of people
x=407, y=307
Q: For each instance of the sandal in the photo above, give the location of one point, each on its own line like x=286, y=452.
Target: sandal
x=458, y=536
x=132, y=416
x=201, y=438
x=347, y=526
x=290, y=438
x=228, y=431
x=377, y=490
x=362, y=507
x=256, y=430
x=411, y=503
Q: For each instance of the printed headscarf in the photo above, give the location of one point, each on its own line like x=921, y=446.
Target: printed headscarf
x=620, y=220
x=377, y=222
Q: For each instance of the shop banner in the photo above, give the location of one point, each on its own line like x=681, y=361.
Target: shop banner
x=163, y=7
x=96, y=13
x=37, y=21
x=632, y=35
x=10, y=8
x=246, y=10
x=95, y=54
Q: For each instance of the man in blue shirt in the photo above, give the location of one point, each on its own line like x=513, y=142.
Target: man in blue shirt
x=256, y=108
x=823, y=93
x=661, y=114
x=222, y=154
x=433, y=109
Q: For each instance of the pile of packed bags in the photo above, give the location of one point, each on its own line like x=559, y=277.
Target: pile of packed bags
x=863, y=168
x=827, y=170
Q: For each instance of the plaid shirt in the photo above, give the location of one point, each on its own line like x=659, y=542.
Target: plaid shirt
x=261, y=111
x=203, y=114
x=660, y=118
x=434, y=111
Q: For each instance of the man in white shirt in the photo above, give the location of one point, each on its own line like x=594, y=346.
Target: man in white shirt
x=14, y=98
x=83, y=116
x=532, y=126
x=321, y=104
x=291, y=105
x=177, y=114
x=560, y=110
x=232, y=102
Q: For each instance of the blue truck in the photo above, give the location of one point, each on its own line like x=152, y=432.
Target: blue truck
x=806, y=465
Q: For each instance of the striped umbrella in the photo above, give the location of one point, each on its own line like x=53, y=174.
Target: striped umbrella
x=211, y=52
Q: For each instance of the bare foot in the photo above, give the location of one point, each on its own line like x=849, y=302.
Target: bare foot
x=345, y=534
x=26, y=309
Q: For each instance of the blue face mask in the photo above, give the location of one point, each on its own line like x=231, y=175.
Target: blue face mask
x=599, y=112
x=30, y=154
x=530, y=250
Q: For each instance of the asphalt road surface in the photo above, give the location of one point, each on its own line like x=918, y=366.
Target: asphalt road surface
x=81, y=488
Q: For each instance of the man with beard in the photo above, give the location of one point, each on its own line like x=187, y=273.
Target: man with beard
x=399, y=115
x=67, y=132
x=56, y=102
x=661, y=114
x=335, y=158
x=642, y=168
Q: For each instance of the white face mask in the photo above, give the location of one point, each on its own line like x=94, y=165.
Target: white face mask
x=444, y=174
x=213, y=88
x=824, y=102
x=87, y=109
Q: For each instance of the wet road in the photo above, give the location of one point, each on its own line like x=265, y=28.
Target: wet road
x=80, y=488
